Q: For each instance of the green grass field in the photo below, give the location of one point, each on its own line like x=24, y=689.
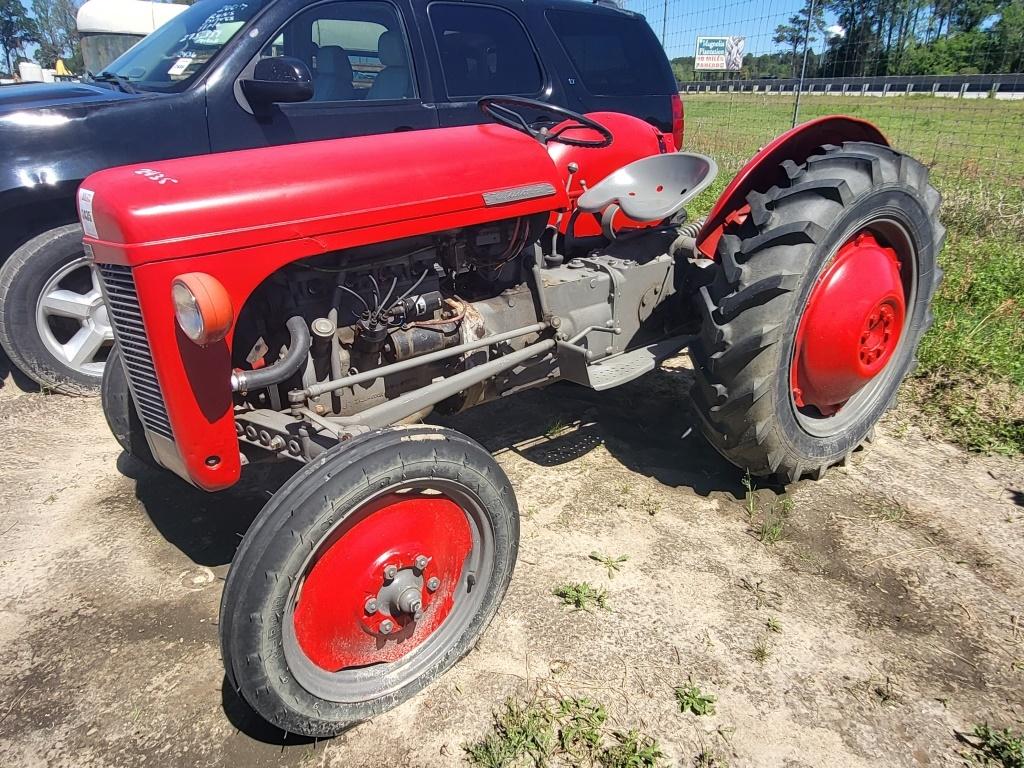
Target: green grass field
x=970, y=382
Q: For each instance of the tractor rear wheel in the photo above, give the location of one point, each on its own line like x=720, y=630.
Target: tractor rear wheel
x=369, y=573
x=816, y=304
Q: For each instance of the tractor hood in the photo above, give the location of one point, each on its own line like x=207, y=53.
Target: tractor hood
x=329, y=194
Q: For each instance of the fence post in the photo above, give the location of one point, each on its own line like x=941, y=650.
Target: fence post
x=803, y=66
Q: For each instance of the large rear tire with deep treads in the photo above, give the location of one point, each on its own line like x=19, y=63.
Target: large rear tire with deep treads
x=815, y=308
x=368, y=574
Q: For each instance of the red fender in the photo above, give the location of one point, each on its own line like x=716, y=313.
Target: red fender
x=762, y=171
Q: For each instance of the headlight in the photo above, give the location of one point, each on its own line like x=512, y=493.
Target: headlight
x=202, y=307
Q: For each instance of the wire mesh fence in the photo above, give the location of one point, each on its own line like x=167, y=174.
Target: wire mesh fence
x=944, y=80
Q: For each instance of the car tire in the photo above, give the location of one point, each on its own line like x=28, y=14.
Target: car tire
x=53, y=323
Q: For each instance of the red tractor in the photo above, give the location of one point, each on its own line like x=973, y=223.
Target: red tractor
x=314, y=302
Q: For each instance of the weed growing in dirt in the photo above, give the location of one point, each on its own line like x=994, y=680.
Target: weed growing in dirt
x=710, y=758
x=570, y=731
x=763, y=598
x=520, y=731
x=773, y=625
x=582, y=596
x=581, y=723
x=613, y=564
x=762, y=651
x=767, y=520
x=555, y=429
x=994, y=747
x=650, y=505
x=892, y=511
x=692, y=699
x=632, y=750
x=886, y=693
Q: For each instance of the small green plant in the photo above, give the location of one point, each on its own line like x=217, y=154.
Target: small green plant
x=892, y=511
x=570, y=732
x=773, y=625
x=750, y=499
x=995, y=747
x=631, y=750
x=763, y=598
x=555, y=429
x=581, y=722
x=582, y=596
x=771, y=526
x=886, y=692
x=761, y=651
x=650, y=505
x=519, y=731
x=613, y=564
x=692, y=699
x=709, y=758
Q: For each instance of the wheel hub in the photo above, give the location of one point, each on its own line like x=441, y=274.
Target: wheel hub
x=71, y=317
x=378, y=590
x=850, y=327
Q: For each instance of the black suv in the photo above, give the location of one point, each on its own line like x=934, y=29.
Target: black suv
x=233, y=74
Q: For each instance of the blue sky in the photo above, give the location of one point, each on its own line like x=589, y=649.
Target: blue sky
x=686, y=19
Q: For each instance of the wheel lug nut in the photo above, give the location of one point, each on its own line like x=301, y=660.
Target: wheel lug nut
x=386, y=626
x=433, y=583
x=371, y=605
x=390, y=571
x=421, y=561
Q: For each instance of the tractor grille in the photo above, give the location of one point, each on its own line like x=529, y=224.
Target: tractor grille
x=123, y=305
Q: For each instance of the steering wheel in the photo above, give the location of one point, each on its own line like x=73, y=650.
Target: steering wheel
x=500, y=109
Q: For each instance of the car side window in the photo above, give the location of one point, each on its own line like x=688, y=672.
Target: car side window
x=355, y=51
x=484, y=51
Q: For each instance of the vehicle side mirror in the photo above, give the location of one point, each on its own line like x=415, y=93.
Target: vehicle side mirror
x=278, y=80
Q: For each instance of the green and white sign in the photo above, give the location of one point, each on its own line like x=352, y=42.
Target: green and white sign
x=719, y=54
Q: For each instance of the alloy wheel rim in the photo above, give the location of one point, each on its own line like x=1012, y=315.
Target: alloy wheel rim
x=72, y=319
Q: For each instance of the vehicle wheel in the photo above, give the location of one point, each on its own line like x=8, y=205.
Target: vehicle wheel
x=817, y=302
x=53, y=322
x=370, y=573
x=119, y=410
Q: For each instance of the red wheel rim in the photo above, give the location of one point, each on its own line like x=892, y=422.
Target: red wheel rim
x=381, y=586
x=851, y=325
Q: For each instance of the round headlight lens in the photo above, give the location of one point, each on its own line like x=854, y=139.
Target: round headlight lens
x=186, y=311
x=202, y=307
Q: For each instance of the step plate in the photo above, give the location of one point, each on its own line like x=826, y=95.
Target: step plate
x=631, y=365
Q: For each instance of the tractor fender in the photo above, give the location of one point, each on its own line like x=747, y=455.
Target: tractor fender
x=762, y=170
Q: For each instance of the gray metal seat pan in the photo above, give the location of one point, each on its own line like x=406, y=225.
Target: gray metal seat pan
x=653, y=188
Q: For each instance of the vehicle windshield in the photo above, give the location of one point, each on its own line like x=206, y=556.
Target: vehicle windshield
x=173, y=55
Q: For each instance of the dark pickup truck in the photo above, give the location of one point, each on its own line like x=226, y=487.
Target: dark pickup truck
x=234, y=74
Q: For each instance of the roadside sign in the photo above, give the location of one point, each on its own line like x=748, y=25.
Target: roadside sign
x=721, y=54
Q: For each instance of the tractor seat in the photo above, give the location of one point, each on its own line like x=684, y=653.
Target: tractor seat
x=651, y=189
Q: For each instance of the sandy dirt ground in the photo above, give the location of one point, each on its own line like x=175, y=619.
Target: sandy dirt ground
x=898, y=586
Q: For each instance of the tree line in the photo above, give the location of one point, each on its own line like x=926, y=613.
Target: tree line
x=890, y=37
x=50, y=29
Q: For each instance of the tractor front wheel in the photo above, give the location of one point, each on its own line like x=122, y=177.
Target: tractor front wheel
x=370, y=573
x=818, y=299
